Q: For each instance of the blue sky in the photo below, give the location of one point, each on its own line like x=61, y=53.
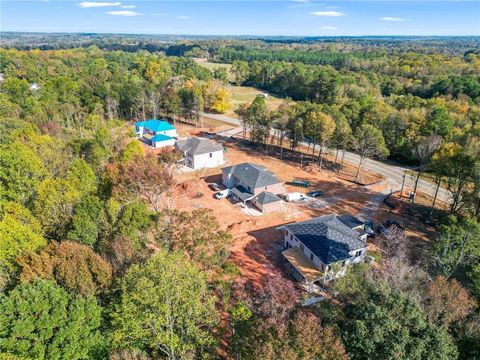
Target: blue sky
x=247, y=17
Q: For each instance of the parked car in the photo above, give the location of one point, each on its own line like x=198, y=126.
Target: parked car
x=222, y=194
x=369, y=229
x=315, y=193
x=295, y=197
x=214, y=186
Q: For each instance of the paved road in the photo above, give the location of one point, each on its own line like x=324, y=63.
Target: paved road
x=394, y=173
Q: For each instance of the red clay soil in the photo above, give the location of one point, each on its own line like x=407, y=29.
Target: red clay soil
x=253, y=248
x=254, y=237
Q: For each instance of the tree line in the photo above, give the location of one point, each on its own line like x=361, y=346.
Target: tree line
x=95, y=263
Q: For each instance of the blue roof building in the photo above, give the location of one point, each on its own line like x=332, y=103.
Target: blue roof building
x=154, y=125
x=156, y=133
x=161, y=137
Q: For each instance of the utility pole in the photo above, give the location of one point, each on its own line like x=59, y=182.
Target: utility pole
x=439, y=180
x=416, y=185
x=403, y=182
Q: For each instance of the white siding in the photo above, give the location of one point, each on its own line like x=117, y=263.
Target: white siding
x=359, y=258
x=160, y=144
x=141, y=131
x=227, y=180
x=171, y=133
x=205, y=161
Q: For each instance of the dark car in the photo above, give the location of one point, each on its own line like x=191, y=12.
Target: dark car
x=315, y=193
x=214, y=186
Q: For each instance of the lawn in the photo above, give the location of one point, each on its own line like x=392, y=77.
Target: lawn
x=242, y=94
x=212, y=66
x=246, y=94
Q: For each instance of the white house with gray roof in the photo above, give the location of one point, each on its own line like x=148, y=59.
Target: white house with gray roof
x=320, y=249
x=199, y=153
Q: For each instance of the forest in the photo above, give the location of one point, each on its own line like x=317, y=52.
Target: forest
x=95, y=264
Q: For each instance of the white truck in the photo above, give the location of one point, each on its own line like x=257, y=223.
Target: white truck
x=222, y=194
x=295, y=196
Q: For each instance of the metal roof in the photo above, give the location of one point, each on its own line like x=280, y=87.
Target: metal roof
x=155, y=125
x=327, y=237
x=252, y=175
x=160, y=137
x=198, y=146
x=266, y=197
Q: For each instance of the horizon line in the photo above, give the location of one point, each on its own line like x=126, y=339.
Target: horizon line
x=231, y=35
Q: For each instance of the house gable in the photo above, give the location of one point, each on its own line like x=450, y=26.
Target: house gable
x=250, y=176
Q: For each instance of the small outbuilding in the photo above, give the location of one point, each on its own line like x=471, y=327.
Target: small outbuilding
x=160, y=140
x=267, y=202
x=199, y=153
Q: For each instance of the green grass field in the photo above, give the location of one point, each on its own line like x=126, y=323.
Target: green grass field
x=242, y=94
x=246, y=94
x=212, y=66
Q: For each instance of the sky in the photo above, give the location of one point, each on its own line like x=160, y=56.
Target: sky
x=244, y=17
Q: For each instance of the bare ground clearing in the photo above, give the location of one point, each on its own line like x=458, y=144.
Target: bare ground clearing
x=256, y=239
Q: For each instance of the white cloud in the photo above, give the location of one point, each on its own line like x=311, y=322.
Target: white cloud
x=183, y=17
x=158, y=14
x=328, y=27
x=327, y=13
x=123, y=13
x=128, y=6
x=391, y=18
x=93, y=4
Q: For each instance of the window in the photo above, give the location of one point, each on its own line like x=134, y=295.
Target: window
x=311, y=257
x=358, y=253
x=266, y=187
x=211, y=155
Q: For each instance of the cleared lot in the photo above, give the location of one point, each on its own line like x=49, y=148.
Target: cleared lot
x=256, y=237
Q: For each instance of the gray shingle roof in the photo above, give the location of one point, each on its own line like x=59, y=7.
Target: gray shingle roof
x=266, y=197
x=327, y=237
x=350, y=220
x=198, y=146
x=241, y=193
x=252, y=175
